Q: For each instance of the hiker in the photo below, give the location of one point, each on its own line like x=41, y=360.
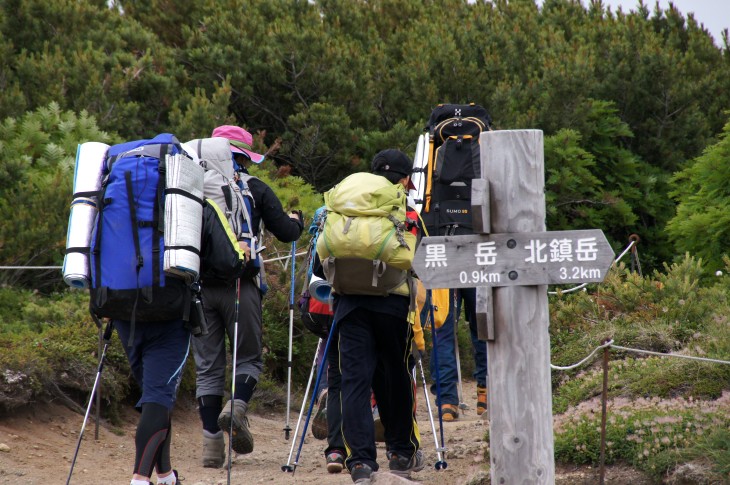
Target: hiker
x=445, y=346
x=222, y=302
x=453, y=160
x=375, y=339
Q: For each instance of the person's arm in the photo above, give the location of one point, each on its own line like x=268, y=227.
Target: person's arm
x=284, y=227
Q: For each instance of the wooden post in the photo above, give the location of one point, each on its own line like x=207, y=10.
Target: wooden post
x=481, y=225
x=520, y=399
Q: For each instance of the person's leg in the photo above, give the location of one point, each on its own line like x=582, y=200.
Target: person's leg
x=210, y=364
x=210, y=359
x=469, y=296
x=248, y=364
x=444, y=346
x=479, y=347
x=393, y=385
x=319, y=421
x=152, y=433
x=163, y=467
x=357, y=364
x=157, y=356
x=335, y=441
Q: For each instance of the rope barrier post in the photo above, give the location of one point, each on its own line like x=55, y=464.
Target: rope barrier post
x=604, y=400
x=635, y=264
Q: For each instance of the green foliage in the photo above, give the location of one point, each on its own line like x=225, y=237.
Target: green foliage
x=702, y=223
x=674, y=311
x=630, y=97
x=713, y=446
x=37, y=155
x=60, y=358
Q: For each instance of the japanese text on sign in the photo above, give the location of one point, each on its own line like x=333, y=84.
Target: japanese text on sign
x=554, y=251
x=537, y=258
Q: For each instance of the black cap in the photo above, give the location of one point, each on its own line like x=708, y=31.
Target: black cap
x=392, y=160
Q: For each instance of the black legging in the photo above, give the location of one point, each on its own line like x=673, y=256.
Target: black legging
x=153, y=440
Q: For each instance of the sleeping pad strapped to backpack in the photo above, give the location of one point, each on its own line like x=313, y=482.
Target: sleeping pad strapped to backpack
x=453, y=161
x=128, y=280
x=232, y=196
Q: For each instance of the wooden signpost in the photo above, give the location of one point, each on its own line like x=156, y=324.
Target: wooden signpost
x=510, y=261
x=528, y=258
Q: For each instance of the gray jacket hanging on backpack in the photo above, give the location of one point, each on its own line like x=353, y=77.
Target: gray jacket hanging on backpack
x=234, y=198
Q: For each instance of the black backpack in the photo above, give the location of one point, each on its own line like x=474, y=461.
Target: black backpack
x=453, y=161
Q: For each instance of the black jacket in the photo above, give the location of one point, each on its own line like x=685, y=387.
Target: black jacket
x=220, y=259
x=267, y=207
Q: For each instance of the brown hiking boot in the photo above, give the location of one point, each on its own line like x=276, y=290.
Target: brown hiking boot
x=241, y=439
x=449, y=412
x=214, y=450
x=319, y=423
x=481, y=400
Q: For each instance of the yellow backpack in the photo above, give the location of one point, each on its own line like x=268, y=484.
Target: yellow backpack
x=365, y=233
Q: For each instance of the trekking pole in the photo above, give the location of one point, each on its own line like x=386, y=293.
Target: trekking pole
x=455, y=313
x=233, y=376
x=287, y=428
x=439, y=450
x=287, y=467
x=322, y=366
x=440, y=465
x=107, y=339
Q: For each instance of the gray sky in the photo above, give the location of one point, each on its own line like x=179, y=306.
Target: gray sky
x=713, y=14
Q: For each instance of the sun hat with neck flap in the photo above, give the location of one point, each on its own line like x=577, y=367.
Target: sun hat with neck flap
x=241, y=141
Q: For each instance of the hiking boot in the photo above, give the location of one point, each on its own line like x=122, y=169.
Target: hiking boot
x=449, y=412
x=241, y=440
x=360, y=473
x=335, y=461
x=481, y=400
x=379, y=428
x=319, y=424
x=214, y=450
x=403, y=466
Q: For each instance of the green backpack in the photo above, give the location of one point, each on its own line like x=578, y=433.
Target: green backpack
x=365, y=234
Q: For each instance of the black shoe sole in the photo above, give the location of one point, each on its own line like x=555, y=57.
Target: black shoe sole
x=241, y=440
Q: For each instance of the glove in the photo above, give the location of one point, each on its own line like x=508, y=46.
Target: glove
x=417, y=353
x=299, y=216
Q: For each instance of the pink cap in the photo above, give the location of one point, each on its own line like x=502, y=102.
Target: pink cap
x=241, y=141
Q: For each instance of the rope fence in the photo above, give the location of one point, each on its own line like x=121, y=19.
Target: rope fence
x=606, y=346
x=610, y=344
x=632, y=243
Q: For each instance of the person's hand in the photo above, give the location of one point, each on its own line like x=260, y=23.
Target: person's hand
x=245, y=248
x=297, y=214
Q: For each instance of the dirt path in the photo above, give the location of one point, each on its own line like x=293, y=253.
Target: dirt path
x=40, y=443
x=42, y=440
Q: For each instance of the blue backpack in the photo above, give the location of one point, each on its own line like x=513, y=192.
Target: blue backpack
x=128, y=281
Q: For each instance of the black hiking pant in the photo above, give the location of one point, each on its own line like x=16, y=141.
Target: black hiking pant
x=374, y=353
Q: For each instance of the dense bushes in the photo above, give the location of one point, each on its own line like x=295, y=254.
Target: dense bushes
x=661, y=410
